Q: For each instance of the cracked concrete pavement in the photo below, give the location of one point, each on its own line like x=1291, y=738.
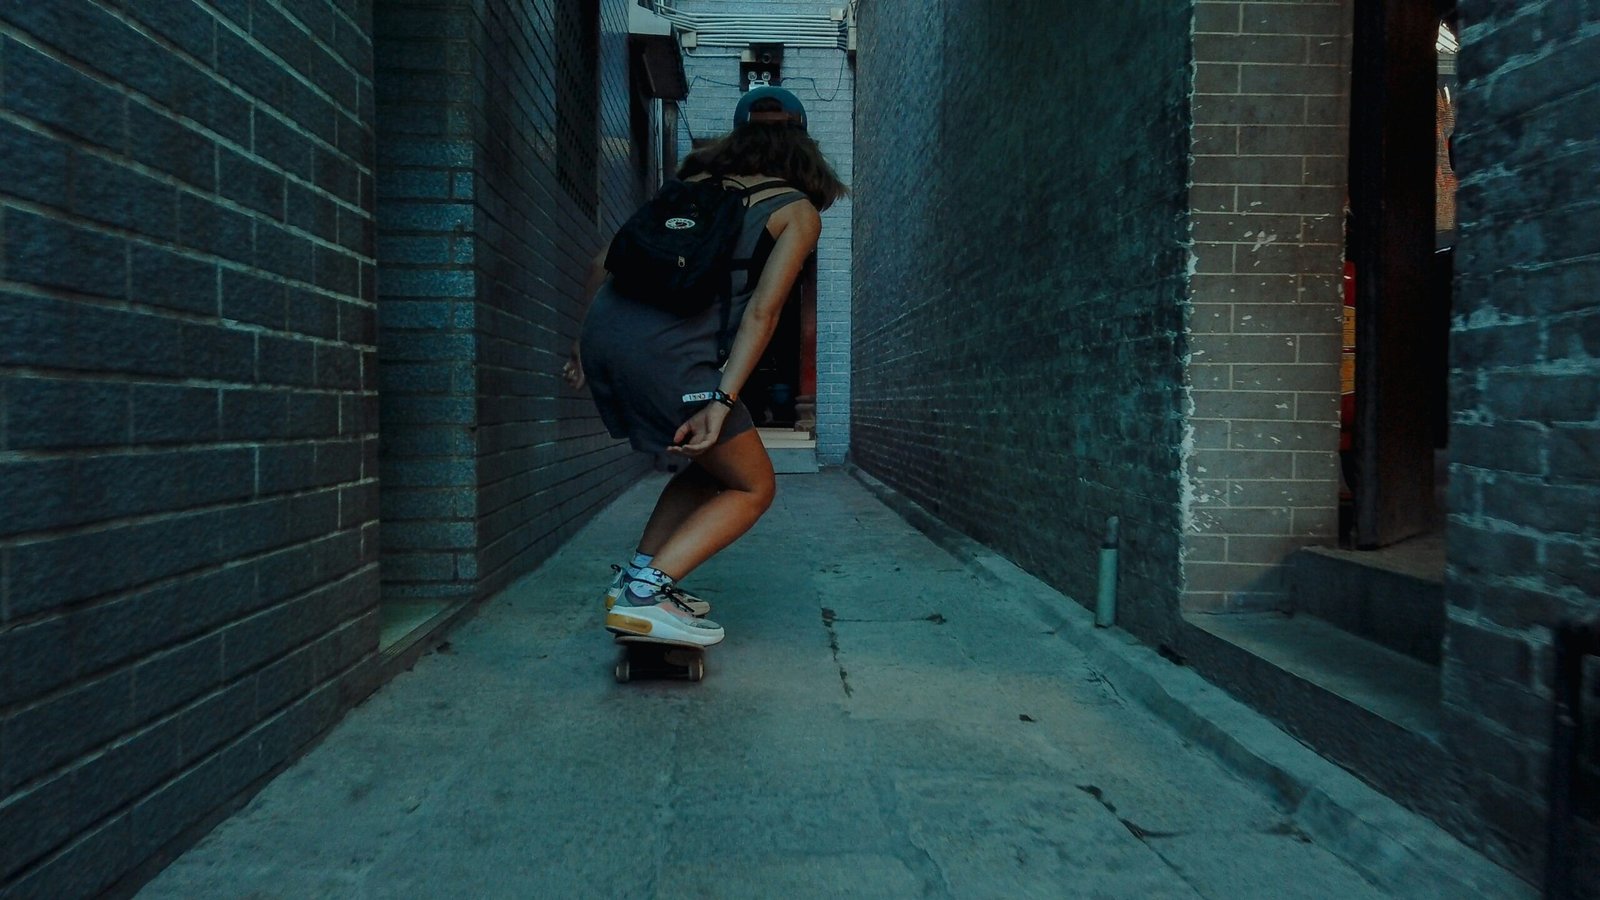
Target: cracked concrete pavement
x=880, y=722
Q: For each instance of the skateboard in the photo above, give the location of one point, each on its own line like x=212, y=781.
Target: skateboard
x=641, y=657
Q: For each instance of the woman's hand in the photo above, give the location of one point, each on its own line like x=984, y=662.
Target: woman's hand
x=572, y=372
x=700, y=433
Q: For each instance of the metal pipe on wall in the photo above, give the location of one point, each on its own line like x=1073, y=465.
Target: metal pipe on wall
x=1105, y=602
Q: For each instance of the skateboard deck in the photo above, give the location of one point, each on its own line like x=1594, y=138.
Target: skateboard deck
x=639, y=657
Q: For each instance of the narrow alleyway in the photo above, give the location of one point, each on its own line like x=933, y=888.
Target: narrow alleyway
x=875, y=726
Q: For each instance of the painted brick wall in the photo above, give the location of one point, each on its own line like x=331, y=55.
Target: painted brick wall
x=187, y=456
x=1524, y=530
x=504, y=149
x=1020, y=271
x=1271, y=137
x=825, y=83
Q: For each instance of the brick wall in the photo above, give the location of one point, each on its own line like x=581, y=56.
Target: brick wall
x=1524, y=531
x=187, y=454
x=1019, y=270
x=544, y=462
x=504, y=150
x=825, y=83
x=426, y=251
x=1271, y=137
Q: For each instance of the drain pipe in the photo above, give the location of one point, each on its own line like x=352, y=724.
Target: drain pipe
x=1105, y=604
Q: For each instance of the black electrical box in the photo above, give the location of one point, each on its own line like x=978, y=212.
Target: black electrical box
x=763, y=65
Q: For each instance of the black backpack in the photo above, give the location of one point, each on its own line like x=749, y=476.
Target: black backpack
x=676, y=252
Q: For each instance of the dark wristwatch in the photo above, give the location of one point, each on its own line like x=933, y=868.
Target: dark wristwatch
x=722, y=397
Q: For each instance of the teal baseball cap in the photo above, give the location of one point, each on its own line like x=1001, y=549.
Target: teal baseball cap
x=789, y=103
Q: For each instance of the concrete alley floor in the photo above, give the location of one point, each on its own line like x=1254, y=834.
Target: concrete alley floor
x=878, y=724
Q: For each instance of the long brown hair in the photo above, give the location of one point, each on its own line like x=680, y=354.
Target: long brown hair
x=779, y=149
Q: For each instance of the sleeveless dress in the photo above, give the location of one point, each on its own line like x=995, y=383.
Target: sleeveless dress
x=640, y=360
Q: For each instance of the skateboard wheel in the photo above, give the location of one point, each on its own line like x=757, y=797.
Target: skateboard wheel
x=697, y=669
x=622, y=671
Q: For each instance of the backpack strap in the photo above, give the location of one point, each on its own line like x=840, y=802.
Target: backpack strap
x=745, y=263
x=766, y=186
x=743, y=191
x=724, y=339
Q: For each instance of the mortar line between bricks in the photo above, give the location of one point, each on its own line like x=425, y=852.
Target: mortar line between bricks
x=120, y=593
x=181, y=314
x=222, y=21
x=65, y=611
x=212, y=136
x=319, y=40
x=87, y=832
x=103, y=376
x=73, y=454
x=134, y=662
x=185, y=250
x=1547, y=49
x=345, y=19
x=485, y=485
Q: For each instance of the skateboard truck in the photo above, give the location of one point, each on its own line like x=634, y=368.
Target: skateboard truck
x=644, y=658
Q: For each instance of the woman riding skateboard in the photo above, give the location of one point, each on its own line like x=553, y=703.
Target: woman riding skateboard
x=658, y=377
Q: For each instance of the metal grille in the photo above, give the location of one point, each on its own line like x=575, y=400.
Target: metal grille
x=577, y=35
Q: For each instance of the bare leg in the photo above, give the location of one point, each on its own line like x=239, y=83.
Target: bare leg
x=744, y=471
x=685, y=493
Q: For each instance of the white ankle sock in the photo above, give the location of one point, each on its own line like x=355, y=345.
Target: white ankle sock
x=640, y=561
x=644, y=583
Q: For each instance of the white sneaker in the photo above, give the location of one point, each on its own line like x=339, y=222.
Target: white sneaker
x=697, y=607
x=662, y=617
x=614, y=588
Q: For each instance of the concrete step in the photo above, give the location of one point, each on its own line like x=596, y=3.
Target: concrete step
x=792, y=452
x=1391, y=685
x=1373, y=711
x=1393, y=597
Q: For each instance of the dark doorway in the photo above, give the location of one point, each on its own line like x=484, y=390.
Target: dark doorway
x=773, y=391
x=1400, y=266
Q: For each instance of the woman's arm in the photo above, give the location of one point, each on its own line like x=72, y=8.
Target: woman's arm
x=801, y=226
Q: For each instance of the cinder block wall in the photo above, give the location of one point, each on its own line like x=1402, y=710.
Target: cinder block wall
x=1021, y=229
x=188, y=500
x=1524, y=530
x=1271, y=148
x=825, y=83
x=504, y=152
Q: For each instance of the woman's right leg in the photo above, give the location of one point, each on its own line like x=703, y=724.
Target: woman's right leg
x=744, y=471
x=688, y=490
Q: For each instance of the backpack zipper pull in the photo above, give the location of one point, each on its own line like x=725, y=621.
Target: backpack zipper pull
x=682, y=262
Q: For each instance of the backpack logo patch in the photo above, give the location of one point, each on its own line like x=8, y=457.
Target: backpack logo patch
x=680, y=224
